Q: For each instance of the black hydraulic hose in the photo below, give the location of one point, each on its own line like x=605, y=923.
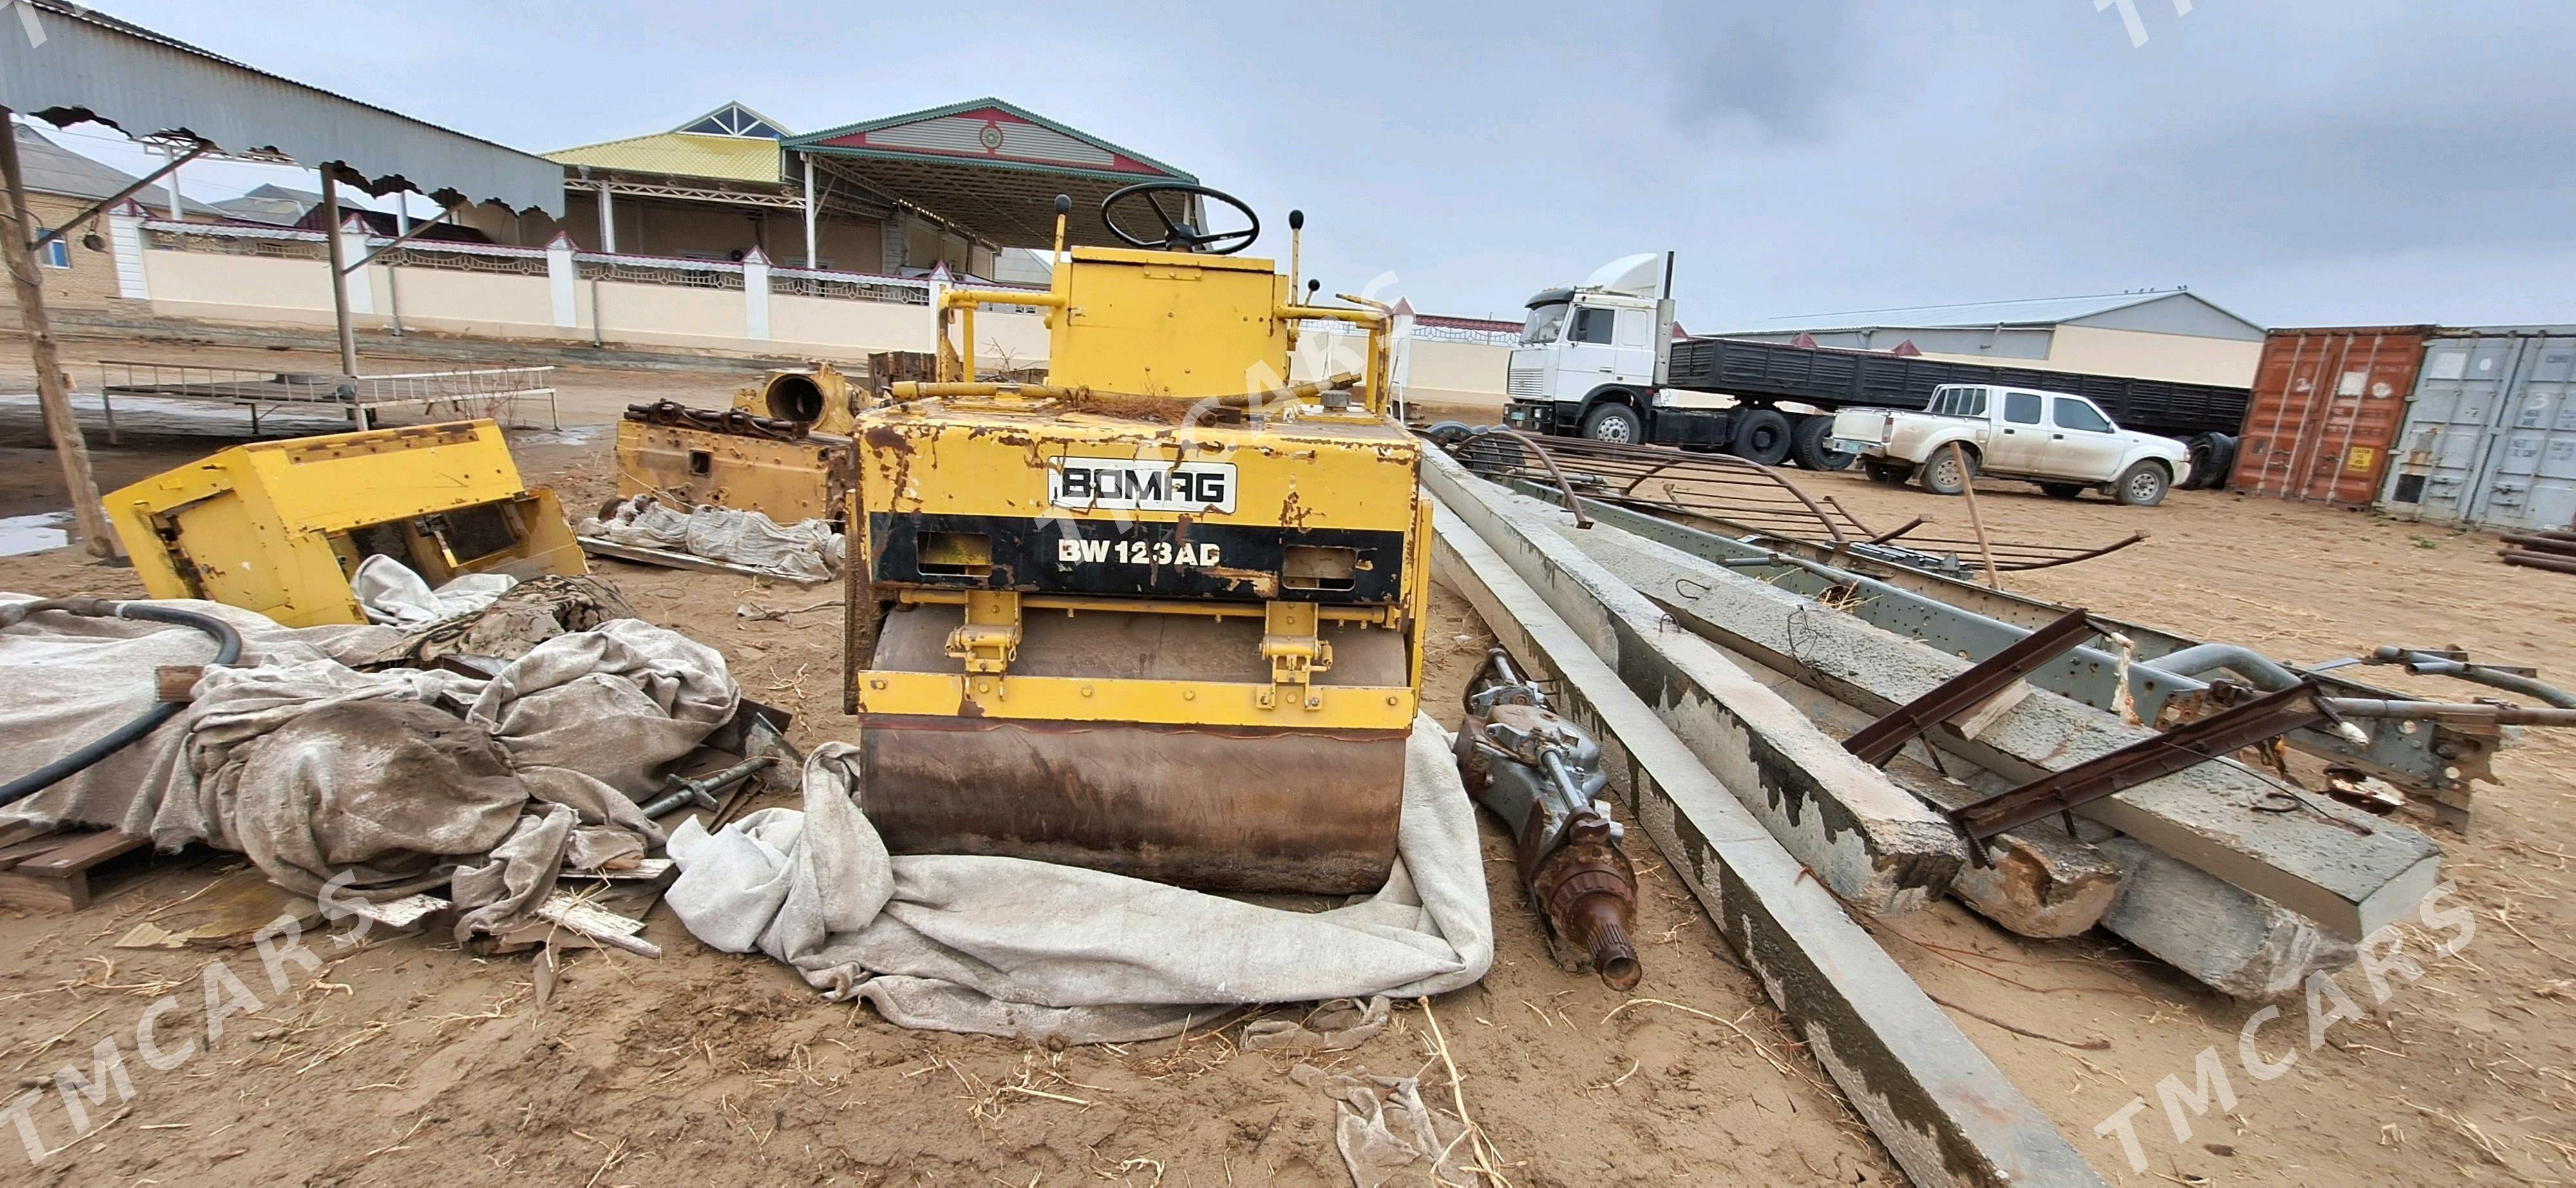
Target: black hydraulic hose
x=228, y=649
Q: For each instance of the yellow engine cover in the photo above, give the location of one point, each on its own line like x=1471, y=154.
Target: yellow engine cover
x=279, y=526
x=1315, y=520
x=1168, y=324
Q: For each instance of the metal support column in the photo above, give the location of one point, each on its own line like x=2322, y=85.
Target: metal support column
x=607, y=221
x=810, y=253
x=339, y=270
x=60, y=424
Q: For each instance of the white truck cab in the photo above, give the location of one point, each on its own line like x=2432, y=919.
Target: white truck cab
x=2062, y=442
x=1594, y=340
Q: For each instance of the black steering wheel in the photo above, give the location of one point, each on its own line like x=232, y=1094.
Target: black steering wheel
x=1178, y=235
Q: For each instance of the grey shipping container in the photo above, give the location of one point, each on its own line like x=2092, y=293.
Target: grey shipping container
x=2490, y=438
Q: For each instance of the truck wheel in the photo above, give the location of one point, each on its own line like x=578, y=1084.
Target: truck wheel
x=1615, y=423
x=1807, y=445
x=2222, y=463
x=1944, y=474
x=1761, y=435
x=2199, y=447
x=2061, y=490
x=1893, y=474
x=2142, y=485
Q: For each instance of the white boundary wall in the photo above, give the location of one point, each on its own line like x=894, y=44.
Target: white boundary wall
x=272, y=276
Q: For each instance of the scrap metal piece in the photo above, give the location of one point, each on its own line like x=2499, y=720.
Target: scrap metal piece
x=2188, y=745
x=1881, y=740
x=1542, y=775
x=1740, y=497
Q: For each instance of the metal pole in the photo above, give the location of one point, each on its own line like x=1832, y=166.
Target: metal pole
x=87, y=510
x=402, y=231
x=809, y=210
x=607, y=221
x=339, y=272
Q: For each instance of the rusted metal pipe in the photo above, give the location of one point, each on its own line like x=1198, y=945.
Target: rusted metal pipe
x=1572, y=503
x=2539, y=561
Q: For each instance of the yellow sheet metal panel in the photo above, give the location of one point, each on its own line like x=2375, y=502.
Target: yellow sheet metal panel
x=278, y=527
x=1161, y=324
x=938, y=459
x=787, y=481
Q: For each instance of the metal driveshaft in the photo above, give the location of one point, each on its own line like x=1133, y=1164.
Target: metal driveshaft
x=703, y=793
x=1542, y=775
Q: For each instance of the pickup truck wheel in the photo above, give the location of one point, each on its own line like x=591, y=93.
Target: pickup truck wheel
x=1893, y=474
x=1944, y=474
x=2061, y=490
x=1615, y=423
x=1761, y=435
x=1807, y=445
x=2142, y=485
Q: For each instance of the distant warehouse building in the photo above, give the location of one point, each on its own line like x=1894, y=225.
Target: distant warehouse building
x=2169, y=334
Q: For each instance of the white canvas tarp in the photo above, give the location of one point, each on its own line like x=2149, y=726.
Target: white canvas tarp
x=1008, y=946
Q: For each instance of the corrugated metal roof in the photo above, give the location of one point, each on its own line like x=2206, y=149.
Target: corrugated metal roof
x=52, y=169
x=89, y=65
x=2037, y=311
x=683, y=154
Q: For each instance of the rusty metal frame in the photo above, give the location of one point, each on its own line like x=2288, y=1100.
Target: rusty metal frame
x=1879, y=741
x=1739, y=496
x=2186, y=746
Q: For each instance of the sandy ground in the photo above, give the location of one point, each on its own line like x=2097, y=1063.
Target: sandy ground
x=407, y=1060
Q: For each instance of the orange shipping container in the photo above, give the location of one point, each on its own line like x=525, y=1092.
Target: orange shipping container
x=2326, y=409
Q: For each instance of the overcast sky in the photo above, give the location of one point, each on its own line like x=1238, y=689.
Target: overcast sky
x=2301, y=162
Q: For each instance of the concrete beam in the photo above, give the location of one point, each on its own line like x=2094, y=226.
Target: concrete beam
x=1942, y=1109
x=1870, y=841
x=2215, y=817
x=2035, y=882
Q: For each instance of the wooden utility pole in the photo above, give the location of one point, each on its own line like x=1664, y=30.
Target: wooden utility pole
x=20, y=233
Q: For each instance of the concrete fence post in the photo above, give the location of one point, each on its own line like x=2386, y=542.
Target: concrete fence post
x=755, y=295
x=561, y=278
x=353, y=242
x=125, y=241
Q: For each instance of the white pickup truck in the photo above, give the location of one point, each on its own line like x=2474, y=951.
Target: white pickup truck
x=2061, y=442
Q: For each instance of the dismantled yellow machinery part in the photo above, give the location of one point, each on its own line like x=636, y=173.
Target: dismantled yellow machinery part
x=818, y=397
x=686, y=457
x=1161, y=615
x=280, y=526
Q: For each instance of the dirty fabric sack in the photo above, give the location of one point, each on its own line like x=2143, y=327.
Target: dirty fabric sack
x=532, y=612
x=73, y=678
x=1038, y=951
x=1385, y=1133
x=808, y=550
x=401, y=779
x=393, y=593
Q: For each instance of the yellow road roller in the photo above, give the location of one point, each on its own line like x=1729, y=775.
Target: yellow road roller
x=1162, y=613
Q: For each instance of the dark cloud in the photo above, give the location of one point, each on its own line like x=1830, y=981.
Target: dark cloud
x=1777, y=66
